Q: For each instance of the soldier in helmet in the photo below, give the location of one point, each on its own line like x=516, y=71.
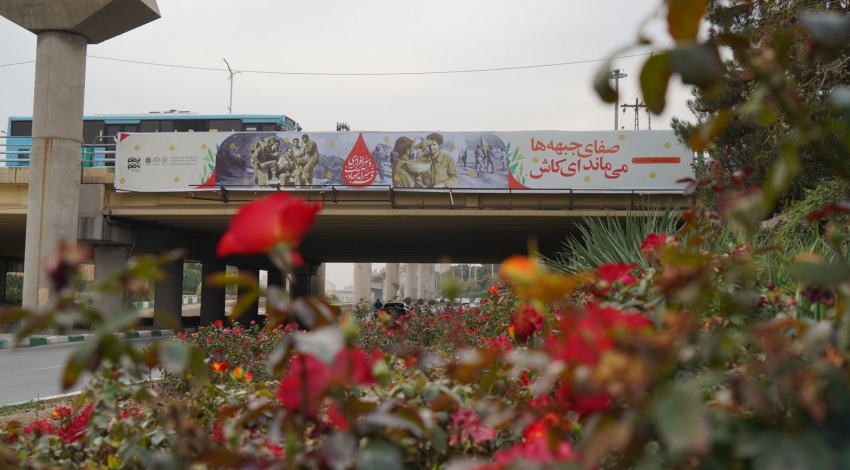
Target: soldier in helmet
x=264, y=155
x=286, y=168
x=310, y=159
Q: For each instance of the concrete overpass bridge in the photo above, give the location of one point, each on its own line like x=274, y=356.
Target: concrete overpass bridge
x=391, y=225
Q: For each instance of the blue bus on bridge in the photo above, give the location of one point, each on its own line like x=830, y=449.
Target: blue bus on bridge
x=99, y=131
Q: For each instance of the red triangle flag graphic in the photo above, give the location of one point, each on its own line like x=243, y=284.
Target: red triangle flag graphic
x=359, y=169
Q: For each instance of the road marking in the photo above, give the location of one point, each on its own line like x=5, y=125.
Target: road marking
x=45, y=368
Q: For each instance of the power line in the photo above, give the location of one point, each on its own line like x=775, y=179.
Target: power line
x=17, y=63
x=355, y=74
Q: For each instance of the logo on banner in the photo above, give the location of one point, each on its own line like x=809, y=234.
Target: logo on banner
x=134, y=163
x=359, y=169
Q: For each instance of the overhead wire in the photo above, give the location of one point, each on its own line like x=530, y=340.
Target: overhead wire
x=358, y=74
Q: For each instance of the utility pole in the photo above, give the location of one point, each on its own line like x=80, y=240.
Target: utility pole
x=637, y=108
x=232, y=74
x=617, y=75
x=648, y=120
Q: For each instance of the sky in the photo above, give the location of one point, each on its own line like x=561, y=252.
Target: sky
x=368, y=36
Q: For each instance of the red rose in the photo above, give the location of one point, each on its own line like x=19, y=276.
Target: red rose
x=617, y=272
x=351, y=367
x=525, y=322
x=653, y=242
x=262, y=224
x=61, y=267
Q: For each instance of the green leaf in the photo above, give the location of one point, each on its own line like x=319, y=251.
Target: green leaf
x=602, y=83
x=654, y=78
x=175, y=355
x=244, y=301
x=379, y=421
x=379, y=454
x=241, y=279
x=198, y=367
x=513, y=167
x=324, y=343
x=779, y=176
x=683, y=18
x=166, y=319
x=439, y=440
x=679, y=419
x=706, y=133
x=698, y=64
x=122, y=320
x=823, y=274
x=86, y=356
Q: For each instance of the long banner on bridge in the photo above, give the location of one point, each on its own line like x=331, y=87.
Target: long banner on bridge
x=535, y=160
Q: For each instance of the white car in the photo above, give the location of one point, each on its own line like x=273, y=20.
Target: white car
x=464, y=300
x=477, y=301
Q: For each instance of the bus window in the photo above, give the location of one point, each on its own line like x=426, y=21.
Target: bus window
x=267, y=127
x=166, y=126
x=289, y=121
x=91, y=130
x=150, y=126
x=190, y=125
x=112, y=130
x=22, y=128
x=226, y=125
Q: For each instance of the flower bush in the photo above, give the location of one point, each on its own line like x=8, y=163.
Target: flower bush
x=680, y=352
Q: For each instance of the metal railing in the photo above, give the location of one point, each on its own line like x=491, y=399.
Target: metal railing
x=90, y=154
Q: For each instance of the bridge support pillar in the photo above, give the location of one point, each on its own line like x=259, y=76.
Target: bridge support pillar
x=426, y=281
x=212, y=298
x=168, y=295
x=4, y=270
x=57, y=133
x=391, y=282
x=317, y=281
x=252, y=313
x=411, y=281
x=363, y=282
x=276, y=279
x=108, y=259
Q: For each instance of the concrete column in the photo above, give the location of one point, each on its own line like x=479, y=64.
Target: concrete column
x=426, y=281
x=54, y=188
x=317, y=281
x=252, y=313
x=108, y=259
x=411, y=281
x=168, y=295
x=391, y=282
x=276, y=279
x=212, y=298
x=4, y=269
x=363, y=282
x=300, y=285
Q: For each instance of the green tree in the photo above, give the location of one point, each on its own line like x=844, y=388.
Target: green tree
x=754, y=135
x=191, y=281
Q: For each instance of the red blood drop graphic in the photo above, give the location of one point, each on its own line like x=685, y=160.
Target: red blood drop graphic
x=359, y=169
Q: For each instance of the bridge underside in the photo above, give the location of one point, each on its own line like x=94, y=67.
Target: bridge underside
x=355, y=226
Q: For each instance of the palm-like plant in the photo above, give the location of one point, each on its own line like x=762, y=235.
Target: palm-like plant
x=612, y=239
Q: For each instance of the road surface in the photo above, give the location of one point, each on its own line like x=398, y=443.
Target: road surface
x=30, y=373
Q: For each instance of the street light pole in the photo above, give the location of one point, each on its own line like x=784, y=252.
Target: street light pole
x=617, y=75
x=232, y=74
